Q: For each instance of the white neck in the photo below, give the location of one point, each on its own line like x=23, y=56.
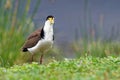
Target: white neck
x=48, y=31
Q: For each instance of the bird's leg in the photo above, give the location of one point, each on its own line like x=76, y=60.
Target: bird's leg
x=32, y=58
x=41, y=59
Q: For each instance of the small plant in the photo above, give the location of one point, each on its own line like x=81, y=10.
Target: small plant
x=84, y=68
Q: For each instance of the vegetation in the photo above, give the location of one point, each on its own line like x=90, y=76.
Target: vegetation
x=96, y=48
x=93, y=39
x=84, y=68
x=14, y=22
x=94, y=57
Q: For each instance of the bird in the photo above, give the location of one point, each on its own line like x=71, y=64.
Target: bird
x=41, y=40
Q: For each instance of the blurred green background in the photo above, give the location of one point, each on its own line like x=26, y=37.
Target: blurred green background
x=16, y=24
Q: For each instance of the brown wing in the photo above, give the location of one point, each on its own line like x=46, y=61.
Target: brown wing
x=32, y=40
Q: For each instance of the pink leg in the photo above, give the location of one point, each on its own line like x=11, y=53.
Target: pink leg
x=41, y=60
x=32, y=58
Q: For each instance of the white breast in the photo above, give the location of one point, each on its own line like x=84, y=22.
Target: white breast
x=48, y=32
x=49, y=35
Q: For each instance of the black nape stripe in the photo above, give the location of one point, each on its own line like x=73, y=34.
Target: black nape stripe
x=53, y=37
x=42, y=34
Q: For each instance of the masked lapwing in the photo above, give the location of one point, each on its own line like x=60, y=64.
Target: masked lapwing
x=40, y=40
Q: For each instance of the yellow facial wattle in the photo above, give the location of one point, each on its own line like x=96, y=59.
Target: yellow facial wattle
x=51, y=20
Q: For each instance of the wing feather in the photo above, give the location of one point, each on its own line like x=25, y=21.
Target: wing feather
x=32, y=39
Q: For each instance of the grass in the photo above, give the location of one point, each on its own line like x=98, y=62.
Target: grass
x=14, y=22
x=84, y=68
x=96, y=48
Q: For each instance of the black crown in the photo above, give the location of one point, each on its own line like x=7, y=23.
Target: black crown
x=50, y=16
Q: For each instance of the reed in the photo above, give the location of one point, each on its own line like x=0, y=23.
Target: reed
x=93, y=40
x=14, y=23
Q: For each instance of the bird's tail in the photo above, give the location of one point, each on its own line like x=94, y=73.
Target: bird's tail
x=24, y=49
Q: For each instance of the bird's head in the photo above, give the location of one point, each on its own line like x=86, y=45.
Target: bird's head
x=50, y=19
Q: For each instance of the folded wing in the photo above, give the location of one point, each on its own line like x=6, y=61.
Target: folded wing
x=32, y=40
